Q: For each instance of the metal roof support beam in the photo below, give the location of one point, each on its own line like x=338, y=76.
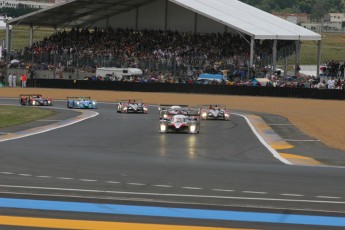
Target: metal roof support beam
x=8, y=37
x=251, y=60
x=274, y=56
x=319, y=43
x=195, y=23
x=31, y=35
x=297, y=57
x=166, y=16
x=107, y=24
x=136, y=18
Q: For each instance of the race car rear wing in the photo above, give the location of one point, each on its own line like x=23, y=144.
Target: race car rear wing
x=89, y=98
x=186, y=112
x=167, y=106
x=29, y=95
x=207, y=106
x=127, y=100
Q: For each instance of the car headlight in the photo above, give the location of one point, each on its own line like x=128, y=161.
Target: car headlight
x=192, y=128
x=145, y=108
x=204, y=114
x=78, y=102
x=49, y=102
x=94, y=103
x=227, y=115
x=165, y=116
x=33, y=102
x=163, y=127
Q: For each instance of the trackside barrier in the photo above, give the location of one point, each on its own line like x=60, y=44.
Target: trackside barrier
x=190, y=88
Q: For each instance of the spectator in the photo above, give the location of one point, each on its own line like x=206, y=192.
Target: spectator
x=14, y=80
x=331, y=83
x=23, y=80
x=10, y=80
x=2, y=79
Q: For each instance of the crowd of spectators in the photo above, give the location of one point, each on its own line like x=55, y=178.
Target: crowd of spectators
x=179, y=57
x=129, y=48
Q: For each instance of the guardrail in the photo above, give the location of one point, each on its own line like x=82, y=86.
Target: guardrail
x=333, y=94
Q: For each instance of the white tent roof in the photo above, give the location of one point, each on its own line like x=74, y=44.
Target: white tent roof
x=3, y=25
x=248, y=19
x=159, y=14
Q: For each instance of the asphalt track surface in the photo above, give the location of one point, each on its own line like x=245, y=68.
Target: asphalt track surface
x=121, y=159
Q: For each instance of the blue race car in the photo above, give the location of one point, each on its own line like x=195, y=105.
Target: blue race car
x=81, y=103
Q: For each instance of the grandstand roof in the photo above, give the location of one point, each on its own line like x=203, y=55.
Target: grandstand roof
x=183, y=15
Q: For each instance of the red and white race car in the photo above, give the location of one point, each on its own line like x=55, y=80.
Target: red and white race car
x=179, y=123
x=35, y=100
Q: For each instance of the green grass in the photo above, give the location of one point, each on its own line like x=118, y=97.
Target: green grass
x=333, y=47
x=13, y=115
x=333, y=44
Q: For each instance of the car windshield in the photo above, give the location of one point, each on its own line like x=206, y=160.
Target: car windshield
x=179, y=119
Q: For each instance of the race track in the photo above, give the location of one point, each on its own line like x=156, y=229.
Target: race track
x=122, y=159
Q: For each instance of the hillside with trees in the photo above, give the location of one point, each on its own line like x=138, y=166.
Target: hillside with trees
x=316, y=8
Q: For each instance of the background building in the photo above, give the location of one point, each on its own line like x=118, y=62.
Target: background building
x=30, y=4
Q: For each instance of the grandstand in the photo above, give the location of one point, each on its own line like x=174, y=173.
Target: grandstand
x=196, y=17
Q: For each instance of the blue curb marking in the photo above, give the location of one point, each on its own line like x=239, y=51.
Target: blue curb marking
x=172, y=212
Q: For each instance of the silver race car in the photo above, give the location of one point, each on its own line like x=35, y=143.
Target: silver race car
x=180, y=123
x=214, y=112
x=131, y=106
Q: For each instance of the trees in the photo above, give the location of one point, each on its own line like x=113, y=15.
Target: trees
x=316, y=8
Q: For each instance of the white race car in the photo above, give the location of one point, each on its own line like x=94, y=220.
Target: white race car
x=214, y=112
x=131, y=106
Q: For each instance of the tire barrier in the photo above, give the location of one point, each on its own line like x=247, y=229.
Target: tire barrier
x=332, y=94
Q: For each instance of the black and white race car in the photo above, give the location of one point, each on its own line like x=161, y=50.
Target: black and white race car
x=214, y=112
x=131, y=106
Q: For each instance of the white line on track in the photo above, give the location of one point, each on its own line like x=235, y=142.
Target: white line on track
x=7, y=173
x=45, y=195
x=262, y=140
x=113, y=182
x=222, y=190
x=65, y=178
x=254, y=192
x=295, y=195
x=170, y=194
x=328, y=197
x=137, y=184
x=84, y=116
x=43, y=176
x=88, y=180
x=24, y=175
x=192, y=188
x=162, y=185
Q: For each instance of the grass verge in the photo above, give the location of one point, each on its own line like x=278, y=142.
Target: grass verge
x=13, y=115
